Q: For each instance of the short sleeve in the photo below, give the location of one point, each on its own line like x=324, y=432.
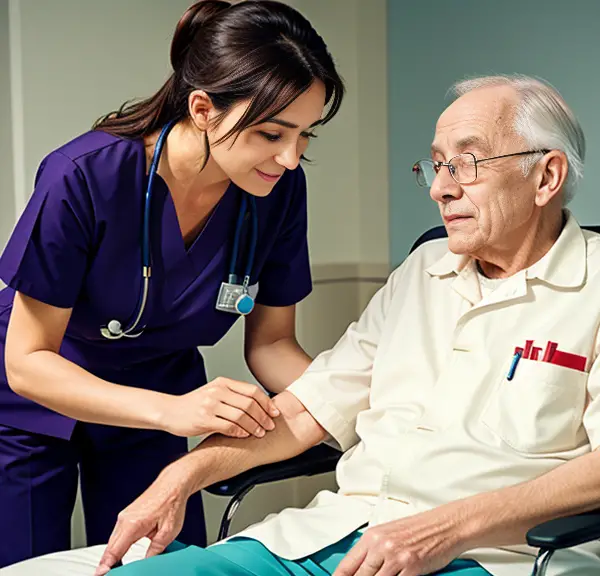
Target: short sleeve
x=46, y=256
x=285, y=278
x=336, y=387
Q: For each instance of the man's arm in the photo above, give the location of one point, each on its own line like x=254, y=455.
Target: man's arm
x=219, y=457
x=503, y=517
x=159, y=512
x=328, y=396
x=428, y=541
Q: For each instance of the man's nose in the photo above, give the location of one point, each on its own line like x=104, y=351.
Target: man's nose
x=444, y=187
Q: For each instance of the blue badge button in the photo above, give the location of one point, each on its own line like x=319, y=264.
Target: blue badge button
x=244, y=304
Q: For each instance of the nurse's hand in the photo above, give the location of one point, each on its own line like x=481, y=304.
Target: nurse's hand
x=223, y=406
x=157, y=514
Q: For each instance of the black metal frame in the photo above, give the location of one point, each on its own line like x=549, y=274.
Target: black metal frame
x=548, y=537
x=316, y=460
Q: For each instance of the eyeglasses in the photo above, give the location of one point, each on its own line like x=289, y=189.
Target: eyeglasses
x=463, y=167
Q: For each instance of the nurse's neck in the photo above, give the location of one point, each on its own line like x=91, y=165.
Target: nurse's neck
x=181, y=164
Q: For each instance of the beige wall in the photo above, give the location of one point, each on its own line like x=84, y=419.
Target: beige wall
x=71, y=75
x=7, y=197
x=372, y=133
x=67, y=74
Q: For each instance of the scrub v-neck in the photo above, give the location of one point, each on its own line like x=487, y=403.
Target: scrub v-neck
x=183, y=266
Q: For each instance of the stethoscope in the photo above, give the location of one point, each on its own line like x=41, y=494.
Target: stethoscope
x=233, y=297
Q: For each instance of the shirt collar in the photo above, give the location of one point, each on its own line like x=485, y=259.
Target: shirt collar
x=564, y=265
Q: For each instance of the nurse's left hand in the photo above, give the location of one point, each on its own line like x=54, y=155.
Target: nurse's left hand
x=419, y=544
x=157, y=514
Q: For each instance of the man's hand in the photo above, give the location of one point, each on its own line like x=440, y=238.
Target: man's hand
x=419, y=544
x=158, y=514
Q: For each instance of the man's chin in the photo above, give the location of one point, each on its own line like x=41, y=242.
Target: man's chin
x=461, y=244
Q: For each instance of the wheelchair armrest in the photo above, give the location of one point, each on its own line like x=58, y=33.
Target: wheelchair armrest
x=316, y=460
x=566, y=532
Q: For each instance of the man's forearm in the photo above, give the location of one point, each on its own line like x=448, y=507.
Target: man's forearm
x=219, y=457
x=503, y=517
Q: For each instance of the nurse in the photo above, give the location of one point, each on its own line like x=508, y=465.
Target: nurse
x=143, y=239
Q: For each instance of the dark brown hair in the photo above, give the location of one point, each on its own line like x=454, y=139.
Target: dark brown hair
x=260, y=51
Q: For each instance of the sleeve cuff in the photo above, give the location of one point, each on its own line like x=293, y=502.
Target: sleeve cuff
x=288, y=299
x=36, y=291
x=326, y=414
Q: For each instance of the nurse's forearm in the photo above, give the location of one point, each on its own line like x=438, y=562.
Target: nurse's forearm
x=277, y=364
x=51, y=380
x=219, y=458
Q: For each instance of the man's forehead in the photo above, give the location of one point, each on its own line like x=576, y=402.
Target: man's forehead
x=476, y=119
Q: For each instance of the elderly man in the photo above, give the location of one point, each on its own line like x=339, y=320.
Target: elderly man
x=466, y=398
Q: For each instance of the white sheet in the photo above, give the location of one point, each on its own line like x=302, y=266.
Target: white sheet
x=80, y=562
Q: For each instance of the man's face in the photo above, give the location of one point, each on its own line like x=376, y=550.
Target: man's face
x=498, y=206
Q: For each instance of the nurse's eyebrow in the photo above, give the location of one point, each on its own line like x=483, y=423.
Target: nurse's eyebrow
x=285, y=123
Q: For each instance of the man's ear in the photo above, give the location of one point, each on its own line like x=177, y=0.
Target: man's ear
x=200, y=107
x=551, y=175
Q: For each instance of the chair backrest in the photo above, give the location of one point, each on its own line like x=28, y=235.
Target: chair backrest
x=440, y=232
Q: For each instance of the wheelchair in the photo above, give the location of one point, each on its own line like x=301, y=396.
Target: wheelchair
x=547, y=537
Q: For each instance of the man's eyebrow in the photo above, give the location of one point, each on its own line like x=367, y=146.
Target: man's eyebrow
x=473, y=142
x=435, y=150
x=466, y=143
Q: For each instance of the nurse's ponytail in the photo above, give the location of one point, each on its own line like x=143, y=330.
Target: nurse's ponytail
x=259, y=51
x=141, y=118
x=189, y=25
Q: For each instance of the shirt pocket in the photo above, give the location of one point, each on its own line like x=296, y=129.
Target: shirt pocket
x=540, y=409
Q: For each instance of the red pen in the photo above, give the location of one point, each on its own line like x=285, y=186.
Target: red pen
x=535, y=352
x=528, y=345
x=549, y=352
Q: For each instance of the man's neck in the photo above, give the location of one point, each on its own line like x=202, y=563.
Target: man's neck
x=523, y=249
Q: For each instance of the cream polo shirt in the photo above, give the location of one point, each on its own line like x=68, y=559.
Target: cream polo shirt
x=416, y=395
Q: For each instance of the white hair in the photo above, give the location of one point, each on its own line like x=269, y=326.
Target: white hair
x=542, y=119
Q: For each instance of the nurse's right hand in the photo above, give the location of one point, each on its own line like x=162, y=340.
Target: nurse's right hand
x=223, y=406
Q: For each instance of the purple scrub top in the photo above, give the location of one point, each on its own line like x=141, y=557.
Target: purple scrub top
x=78, y=245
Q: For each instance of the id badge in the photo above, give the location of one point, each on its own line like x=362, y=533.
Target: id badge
x=230, y=293
x=228, y=296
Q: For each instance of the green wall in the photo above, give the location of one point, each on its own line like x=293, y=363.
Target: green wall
x=433, y=43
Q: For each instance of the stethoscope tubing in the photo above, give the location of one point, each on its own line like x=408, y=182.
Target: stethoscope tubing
x=117, y=332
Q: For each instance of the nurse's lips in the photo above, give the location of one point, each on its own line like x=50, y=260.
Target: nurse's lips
x=268, y=177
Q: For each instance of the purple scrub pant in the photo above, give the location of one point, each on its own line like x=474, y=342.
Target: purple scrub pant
x=38, y=486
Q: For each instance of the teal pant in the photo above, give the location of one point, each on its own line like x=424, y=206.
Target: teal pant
x=246, y=557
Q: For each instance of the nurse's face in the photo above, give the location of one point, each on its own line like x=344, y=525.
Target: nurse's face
x=256, y=158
